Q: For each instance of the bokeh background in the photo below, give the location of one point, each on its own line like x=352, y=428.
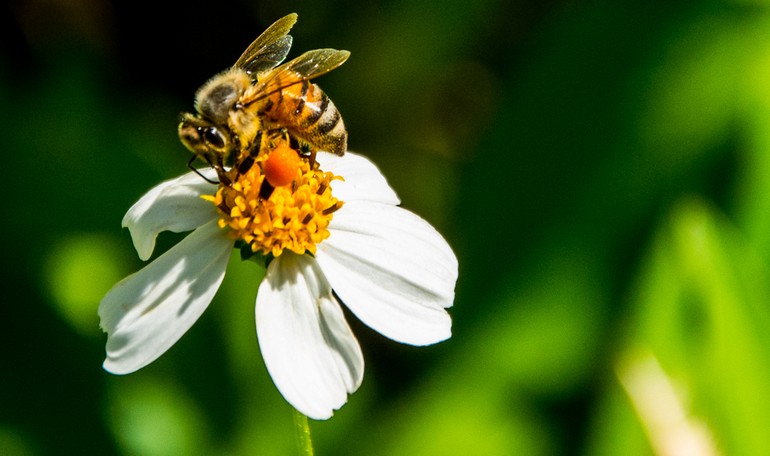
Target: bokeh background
x=601, y=168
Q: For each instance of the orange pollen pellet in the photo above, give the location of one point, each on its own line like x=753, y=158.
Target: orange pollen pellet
x=281, y=165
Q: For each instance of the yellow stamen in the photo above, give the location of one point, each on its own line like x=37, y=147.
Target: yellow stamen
x=295, y=216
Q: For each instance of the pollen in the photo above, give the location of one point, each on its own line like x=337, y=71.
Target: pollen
x=271, y=219
x=281, y=165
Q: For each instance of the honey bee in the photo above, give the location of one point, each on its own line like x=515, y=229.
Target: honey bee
x=236, y=108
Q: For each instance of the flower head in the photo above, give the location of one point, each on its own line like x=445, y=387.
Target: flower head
x=334, y=234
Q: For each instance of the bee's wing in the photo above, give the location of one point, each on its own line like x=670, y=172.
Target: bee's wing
x=318, y=62
x=309, y=65
x=270, y=48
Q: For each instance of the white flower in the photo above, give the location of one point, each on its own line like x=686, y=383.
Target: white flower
x=387, y=265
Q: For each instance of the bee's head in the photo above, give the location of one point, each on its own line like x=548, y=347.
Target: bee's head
x=204, y=139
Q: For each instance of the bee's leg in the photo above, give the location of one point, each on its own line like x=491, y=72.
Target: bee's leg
x=308, y=153
x=245, y=165
x=266, y=190
x=293, y=142
x=257, y=146
x=248, y=161
x=221, y=174
x=303, y=149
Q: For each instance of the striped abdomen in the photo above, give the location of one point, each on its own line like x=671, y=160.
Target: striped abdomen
x=305, y=110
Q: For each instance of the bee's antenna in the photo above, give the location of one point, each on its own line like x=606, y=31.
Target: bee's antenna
x=190, y=165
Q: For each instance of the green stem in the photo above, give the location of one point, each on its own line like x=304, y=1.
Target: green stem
x=302, y=431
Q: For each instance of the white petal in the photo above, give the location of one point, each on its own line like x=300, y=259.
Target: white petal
x=308, y=347
x=174, y=205
x=148, y=311
x=363, y=181
x=392, y=270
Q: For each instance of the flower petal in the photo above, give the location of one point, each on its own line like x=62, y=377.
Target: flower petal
x=363, y=181
x=174, y=205
x=148, y=311
x=392, y=270
x=308, y=347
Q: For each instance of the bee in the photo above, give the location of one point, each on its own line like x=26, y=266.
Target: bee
x=258, y=95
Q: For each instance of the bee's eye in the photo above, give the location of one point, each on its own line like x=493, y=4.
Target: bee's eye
x=214, y=138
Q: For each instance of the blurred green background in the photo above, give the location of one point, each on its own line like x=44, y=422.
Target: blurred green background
x=602, y=170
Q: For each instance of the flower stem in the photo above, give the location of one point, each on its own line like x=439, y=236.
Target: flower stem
x=302, y=432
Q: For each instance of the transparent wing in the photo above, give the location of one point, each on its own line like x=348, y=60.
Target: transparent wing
x=270, y=48
x=309, y=65
x=315, y=63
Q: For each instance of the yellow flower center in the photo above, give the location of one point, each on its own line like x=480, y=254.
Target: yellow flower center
x=270, y=219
